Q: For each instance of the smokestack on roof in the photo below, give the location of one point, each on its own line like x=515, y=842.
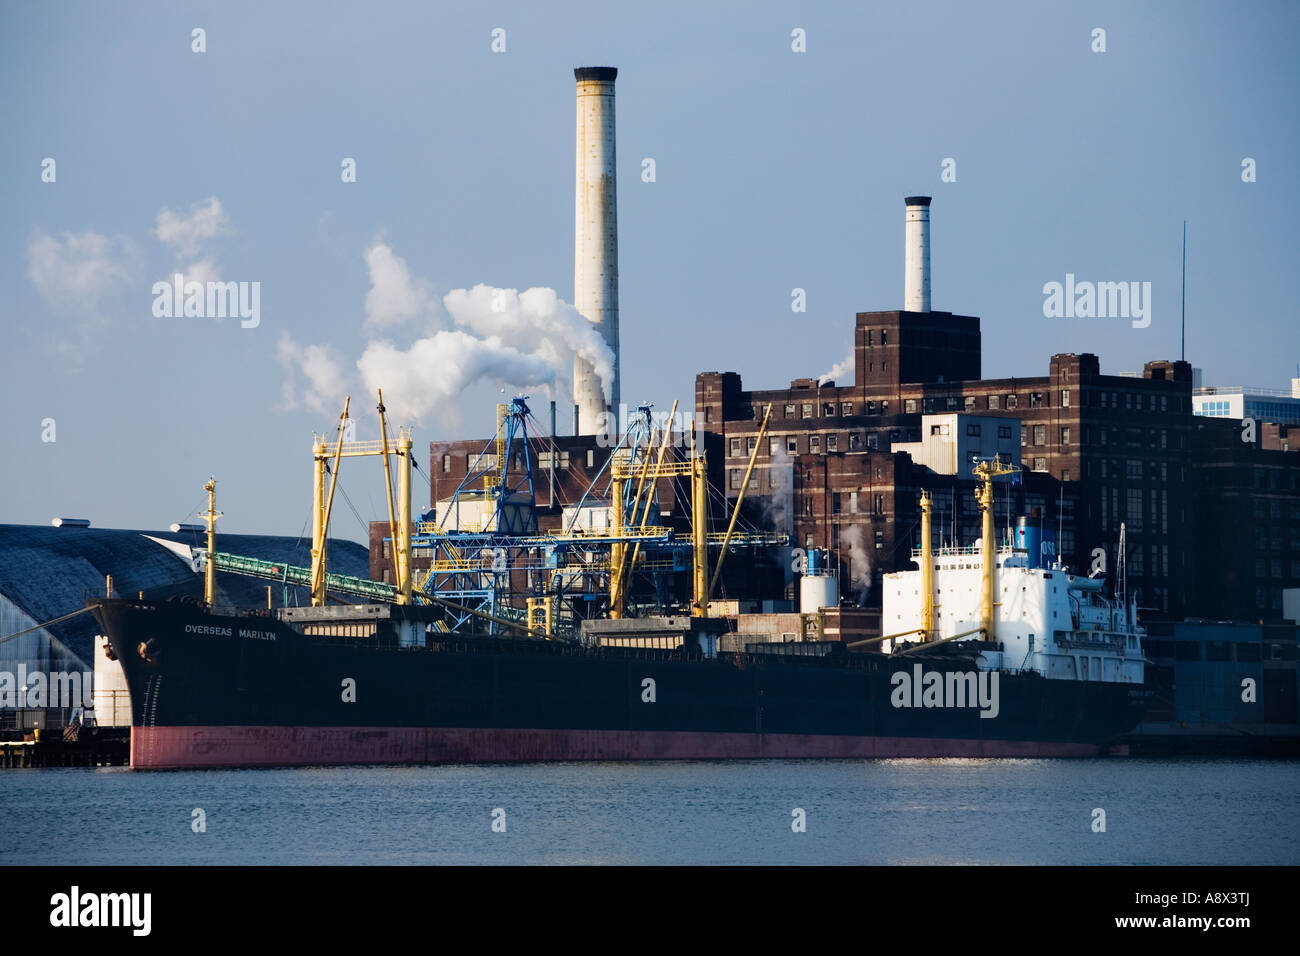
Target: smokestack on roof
x=916, y=245
x=595, y=251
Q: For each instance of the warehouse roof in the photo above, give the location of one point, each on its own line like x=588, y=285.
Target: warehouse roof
x=46, y=572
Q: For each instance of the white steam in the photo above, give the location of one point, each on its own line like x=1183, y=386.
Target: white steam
x=838, y=373
x=516, y=340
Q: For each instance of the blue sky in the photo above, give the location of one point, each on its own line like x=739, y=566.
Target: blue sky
x=775, y=170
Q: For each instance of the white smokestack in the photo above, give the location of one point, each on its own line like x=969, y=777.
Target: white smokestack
x=916, y=244
x=595, y=249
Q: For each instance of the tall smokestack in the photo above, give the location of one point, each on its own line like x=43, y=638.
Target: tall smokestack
x=595, y=248
x=916, y=244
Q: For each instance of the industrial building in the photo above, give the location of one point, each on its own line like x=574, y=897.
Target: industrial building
x=841, y=466
x=848, y=462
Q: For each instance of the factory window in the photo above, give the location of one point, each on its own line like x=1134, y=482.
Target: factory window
x=708, y=414
x=1004, y=431
x=872, y=443
x=753, y=481
x=1011, y=401
x=884, y=408
x=814, y=444
x=970, y=403
x=792, y=445
x=884, y=337
x=1164, y=403
x=750, y=444
x=871, y=408
x=591, y=458
x=835, y=503
x=446, y=463
x=774, y=446
x=1040, y=434
x=1134, y=514
x=909, y=406
x=1133, y=469
x=789, y=411
x=1065, y=436
x=972, y=431
x=1128, y=400
x=870, y=335
x=878, y=505
x=938, y=429
x=993, y=401
x=1065, y=398
x=1040, y=464
x=855, y=441
x=1065, y=474
x=1164, y=438
x=828, y=409
x=735, y=477
x=884, y=366
x=735, y=447
x=880, y=540
x=846, y=408
x=950, y=403
x=832, y=442
x=1035, y=399
x=927, y=406
x=807, y=410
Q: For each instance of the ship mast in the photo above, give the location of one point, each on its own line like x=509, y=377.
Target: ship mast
x=985, y=472
x=211, y=516
x=927, y=570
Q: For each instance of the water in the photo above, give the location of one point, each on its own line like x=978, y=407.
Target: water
x=959, y=811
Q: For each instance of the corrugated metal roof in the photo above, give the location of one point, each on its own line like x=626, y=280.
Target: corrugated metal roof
x=47, y=571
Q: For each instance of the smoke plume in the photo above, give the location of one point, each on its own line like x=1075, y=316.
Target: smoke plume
x=517, y=340
x=837, y=373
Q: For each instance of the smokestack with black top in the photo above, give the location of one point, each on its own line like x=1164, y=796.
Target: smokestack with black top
x=595, y=251
x=916, y=244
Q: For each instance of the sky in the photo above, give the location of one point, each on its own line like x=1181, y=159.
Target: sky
x=774, y=170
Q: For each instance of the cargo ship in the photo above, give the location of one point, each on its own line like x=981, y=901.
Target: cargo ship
x=993, y=651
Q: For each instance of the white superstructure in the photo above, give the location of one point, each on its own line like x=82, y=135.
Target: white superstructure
x=1046, y=620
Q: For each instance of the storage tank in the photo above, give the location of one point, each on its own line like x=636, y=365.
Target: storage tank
x=819, y=587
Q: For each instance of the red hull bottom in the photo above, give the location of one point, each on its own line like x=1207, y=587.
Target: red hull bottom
x=171, y=748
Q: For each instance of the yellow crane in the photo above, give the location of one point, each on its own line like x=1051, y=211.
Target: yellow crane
x=322, y=503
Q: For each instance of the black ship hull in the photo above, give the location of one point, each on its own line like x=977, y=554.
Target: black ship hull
x=224, y=691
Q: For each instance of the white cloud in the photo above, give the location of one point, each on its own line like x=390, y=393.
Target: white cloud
x=187, y=232
x=394, y=297
x=77, y=270
x=204, y=270
x=326, y=379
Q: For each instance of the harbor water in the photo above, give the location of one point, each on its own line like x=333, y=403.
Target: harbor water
x=954, y=811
